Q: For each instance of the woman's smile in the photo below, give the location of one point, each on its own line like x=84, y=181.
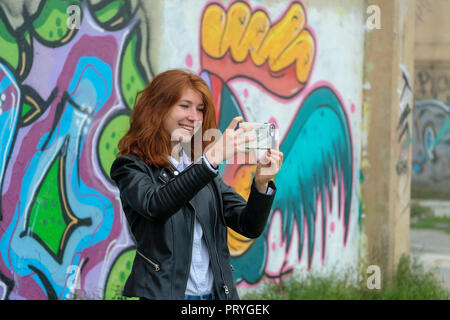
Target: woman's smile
x=189, y=128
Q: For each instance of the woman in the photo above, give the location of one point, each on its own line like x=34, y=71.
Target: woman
x=176, y=204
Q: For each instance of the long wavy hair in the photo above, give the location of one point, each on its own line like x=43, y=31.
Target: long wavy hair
x=146, y=137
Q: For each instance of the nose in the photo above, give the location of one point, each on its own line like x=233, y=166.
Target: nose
x=194, y=115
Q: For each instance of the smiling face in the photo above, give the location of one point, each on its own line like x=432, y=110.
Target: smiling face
x=185, y=117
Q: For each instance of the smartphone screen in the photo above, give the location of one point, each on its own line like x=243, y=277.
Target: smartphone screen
x=264, y=133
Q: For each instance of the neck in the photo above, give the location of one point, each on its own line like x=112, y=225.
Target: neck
x=175, y=153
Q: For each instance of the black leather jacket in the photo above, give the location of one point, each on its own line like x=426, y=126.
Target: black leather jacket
x=161, y=216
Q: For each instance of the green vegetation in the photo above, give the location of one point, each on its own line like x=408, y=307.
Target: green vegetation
x=419, y=212
x=428, y=193
x=436, y=223
x=410, y=282
x=423, y=218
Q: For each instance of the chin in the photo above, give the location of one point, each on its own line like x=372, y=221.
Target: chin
x=185, y=138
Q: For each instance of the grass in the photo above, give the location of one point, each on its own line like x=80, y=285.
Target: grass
x=423, y=218
x=428, y=193
x=419, y=212
x=436, y=223
x=411, y=282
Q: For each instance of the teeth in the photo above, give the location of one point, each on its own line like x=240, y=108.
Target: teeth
x=188, y=128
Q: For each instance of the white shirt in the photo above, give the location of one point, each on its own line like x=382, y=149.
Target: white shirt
x=201, y=279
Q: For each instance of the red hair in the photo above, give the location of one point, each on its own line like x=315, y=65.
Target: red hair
x=146, y=137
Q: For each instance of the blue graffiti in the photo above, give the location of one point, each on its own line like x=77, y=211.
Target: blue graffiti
x=9, y=115
x=90, y=212
x=317, y=154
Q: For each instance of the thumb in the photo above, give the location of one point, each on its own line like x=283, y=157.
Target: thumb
x=234, y=122
x=264, y=160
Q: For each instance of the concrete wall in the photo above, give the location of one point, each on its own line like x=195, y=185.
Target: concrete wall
x=431, y=141
x=387, y=122
x=66, y=99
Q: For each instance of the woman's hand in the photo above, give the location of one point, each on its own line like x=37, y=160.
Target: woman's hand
x=230, y=143
x=267, y=167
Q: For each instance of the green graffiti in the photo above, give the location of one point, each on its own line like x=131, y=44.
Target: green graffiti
x=46, y=218
x=26, y=108
x=10, y=51
x=131, y=81
x=113, y=14
x=118, y=275
x=51, y=24
x=107, y=146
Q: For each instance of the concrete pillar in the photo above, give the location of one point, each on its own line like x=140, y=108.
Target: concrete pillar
x=387, y=125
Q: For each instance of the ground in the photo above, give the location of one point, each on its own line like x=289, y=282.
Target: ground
x=432, y=247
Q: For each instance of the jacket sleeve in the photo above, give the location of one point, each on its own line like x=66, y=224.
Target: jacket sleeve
x=139, y=190
x=247, y=218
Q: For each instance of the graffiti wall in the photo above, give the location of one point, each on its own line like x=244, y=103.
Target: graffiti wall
x=431, y=146
x=69, y=74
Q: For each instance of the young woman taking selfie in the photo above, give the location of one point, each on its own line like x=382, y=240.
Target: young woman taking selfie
x=176, y=204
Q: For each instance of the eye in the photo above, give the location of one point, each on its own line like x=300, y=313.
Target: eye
x=202, y=110
x=184, y=105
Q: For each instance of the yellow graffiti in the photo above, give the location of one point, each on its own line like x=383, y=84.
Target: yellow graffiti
x=245, y=33
x=243, y=178
x=212, y=29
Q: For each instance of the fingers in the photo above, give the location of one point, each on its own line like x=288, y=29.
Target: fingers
x=277, y=153
x=243, y=128
x=244, y=139
x=265, y=159
x=272, y=160
x=243, y=150
x=234, y=122
x=278, y=157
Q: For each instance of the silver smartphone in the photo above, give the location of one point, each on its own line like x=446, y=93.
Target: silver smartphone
x=264, y=132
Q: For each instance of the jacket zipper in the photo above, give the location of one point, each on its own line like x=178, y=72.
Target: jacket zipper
x=192, y=243
x=155, y=265
x=225, y=287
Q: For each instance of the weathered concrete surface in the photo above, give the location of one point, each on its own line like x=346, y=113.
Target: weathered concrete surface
x=432, y=248
x=387, y=117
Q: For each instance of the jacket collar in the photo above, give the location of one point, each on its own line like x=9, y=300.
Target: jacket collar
x=168, y=173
